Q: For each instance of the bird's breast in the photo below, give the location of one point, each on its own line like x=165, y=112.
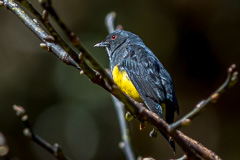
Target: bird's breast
x=122, y=79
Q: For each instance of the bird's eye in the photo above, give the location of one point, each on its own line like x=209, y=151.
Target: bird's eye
x=114, y=37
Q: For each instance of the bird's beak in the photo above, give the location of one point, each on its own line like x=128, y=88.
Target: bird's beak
x=101, y=44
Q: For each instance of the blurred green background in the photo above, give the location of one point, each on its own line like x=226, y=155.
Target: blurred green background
x=195, y=40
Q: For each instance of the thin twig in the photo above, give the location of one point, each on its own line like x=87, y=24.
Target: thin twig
x=85, y=60
x=109, y=21
x=62, y=54
x=71, y=57
x=47, y=5
x=55, y=149
x=125, y=145
x=197, y=147
x=56, y=37
x=58, y=47
x=184, y=157
x=230, y=81
x=35, y=27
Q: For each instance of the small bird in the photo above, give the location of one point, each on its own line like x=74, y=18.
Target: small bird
x=140, y=75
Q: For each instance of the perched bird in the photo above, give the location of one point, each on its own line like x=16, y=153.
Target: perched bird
x=140, y=75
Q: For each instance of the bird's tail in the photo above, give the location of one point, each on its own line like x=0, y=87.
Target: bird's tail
x=172, y=143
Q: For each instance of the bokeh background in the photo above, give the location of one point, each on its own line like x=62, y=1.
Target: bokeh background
x=195, y=40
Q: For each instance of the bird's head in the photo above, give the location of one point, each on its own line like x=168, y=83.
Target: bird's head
x=113, y=41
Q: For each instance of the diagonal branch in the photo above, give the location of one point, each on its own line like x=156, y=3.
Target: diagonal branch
x=55, y=37
x=47, y=5
x=229, y=82
x=56, y=44
x=55, y=149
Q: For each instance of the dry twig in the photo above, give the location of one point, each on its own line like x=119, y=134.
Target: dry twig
x=55, y=149
x=229, y=82
x=125, y=144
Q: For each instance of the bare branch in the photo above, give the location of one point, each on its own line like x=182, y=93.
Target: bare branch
x=125, y=145
x=229, y=82
x=109, y=21
x=44, y=20
x=47, y=5
x=55, y=149
x=58, y=47
x=35, y=27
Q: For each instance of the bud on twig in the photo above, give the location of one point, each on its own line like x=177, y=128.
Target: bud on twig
x=186, y=122
x=121, y=145
x=49, y=38
x=81, y=72
x=45, y=15
x=128, y=116
x=214, y=97
x=44, y=46
x=80, y=57
x=20, y=111
x=27, y=133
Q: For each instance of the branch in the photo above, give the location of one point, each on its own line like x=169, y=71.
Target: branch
x=97, y=75
x=53, y=47
x=56, y=44
x=35, y=27
x=55, y=37
x=109, y=21
x=55, y=149
x=229, y=82
x=47, y=6
x=125, y=145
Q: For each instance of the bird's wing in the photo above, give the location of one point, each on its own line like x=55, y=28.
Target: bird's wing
x=151, y=80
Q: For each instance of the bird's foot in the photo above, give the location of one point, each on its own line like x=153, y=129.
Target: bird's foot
x=128, y=116
x=153, y=133
x=142, y=126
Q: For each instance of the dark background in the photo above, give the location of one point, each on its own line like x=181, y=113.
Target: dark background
x=195, y=40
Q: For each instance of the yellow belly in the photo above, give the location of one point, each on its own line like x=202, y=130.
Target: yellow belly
x=122, y=80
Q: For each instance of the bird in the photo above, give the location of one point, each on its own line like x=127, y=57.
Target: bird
x=140, y=75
